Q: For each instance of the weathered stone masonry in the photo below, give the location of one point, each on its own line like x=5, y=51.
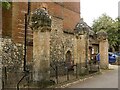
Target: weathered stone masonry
x=103, y=49
x=41, y=25
x=56, y=42
x=50, y=46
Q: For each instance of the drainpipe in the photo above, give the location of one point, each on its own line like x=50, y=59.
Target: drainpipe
x=27, y=17
x=25, y=40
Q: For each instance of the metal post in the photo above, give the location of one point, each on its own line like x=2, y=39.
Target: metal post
x=56, y=73
x=20, y=81
x=67, y=74
x=3, y=85
x=5, y=71
x=76, y=70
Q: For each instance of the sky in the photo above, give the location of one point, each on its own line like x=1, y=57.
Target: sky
x=92, y=9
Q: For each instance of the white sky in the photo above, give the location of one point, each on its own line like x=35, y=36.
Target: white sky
x=92, y=9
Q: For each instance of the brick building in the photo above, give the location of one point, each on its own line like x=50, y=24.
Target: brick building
x=14, y=19
x=67, y=42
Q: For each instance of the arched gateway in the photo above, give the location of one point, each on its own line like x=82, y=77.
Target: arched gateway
x=69, y=61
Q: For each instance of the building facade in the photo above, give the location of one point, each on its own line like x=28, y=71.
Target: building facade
x=14, y=19
x=57, y=39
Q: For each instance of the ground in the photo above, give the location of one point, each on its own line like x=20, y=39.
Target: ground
x=108, y=79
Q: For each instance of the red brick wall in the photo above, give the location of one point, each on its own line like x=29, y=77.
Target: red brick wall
x=74, y=6
x=14, y=19
x=18, y=16
x=6, y=22
x=71, y=15
x=70, y=19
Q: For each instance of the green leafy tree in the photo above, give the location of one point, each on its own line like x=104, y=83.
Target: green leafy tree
x=6, y=5
x=117, y=26
x=106, y=23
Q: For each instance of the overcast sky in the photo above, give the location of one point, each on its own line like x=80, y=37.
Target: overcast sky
x=92, y=9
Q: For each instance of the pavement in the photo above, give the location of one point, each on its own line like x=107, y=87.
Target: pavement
x=108, y=79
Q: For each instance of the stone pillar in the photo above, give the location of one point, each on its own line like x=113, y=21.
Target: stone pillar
x=103, y=49
x=76, y=60
x=81, y=53
x=41, y=25
x=82, y=33
x=41, y=54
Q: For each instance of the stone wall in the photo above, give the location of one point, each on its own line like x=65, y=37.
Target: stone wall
x=14, y=18
x=63, y=41
x=56, y=46
x=69, y=45
x=12, y=54
x=56, y=40
x=60, y=43
x=12, y=61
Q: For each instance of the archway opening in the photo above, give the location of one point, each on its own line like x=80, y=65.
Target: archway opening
x=69, y=61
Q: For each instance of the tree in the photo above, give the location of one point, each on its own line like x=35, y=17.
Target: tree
x=117, y=26
x=6, y=5
x=106, y=23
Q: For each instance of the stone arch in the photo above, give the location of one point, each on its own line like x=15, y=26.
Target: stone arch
x=68, y=59
x=68, y=56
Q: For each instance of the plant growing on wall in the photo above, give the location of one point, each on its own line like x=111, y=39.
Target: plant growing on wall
x=6, y=4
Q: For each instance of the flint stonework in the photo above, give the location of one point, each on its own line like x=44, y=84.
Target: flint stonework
x=41, y=25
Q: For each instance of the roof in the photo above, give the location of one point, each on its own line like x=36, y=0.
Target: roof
x=82, y=28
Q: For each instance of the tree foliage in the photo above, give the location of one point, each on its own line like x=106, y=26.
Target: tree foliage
x=6, y=5
x=106, y=23
x=117, y=24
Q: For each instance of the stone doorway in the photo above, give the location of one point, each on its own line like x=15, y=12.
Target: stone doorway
x=69, y=61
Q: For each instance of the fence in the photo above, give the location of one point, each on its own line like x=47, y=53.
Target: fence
x=60, y=72
x=12, y=62
x=12, y=68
